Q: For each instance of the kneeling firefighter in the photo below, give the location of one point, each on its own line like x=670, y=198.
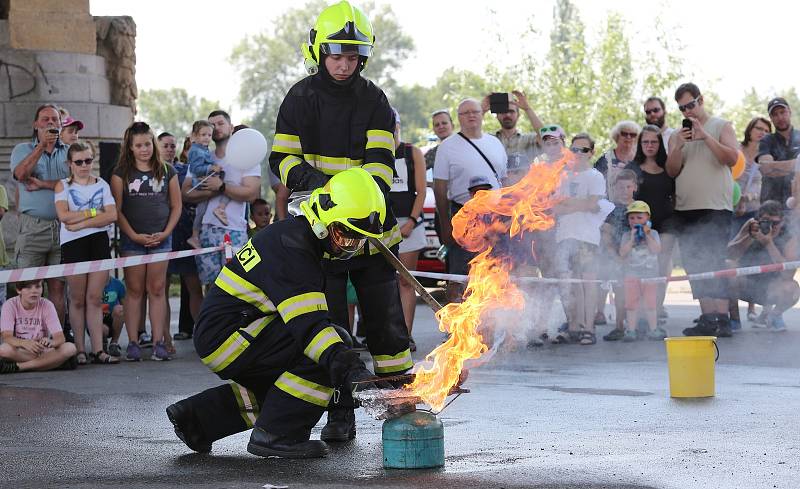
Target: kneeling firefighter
x=264, y=326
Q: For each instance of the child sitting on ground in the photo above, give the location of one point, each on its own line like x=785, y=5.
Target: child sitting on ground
x=32, y=336
x=201, y=164
x=639, y=251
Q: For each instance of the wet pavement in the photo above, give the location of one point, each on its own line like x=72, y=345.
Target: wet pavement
x=564, y=416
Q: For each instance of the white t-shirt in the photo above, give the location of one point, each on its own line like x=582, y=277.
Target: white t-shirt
x=80, y=198
x=583, y=226
x=235, y=210
x=458, y=162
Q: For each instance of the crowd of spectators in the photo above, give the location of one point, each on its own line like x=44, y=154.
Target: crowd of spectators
x=619, y=216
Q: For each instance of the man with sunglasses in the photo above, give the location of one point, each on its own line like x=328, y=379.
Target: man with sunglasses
x=655, y=113
x=777, y=153
x=265, y=326
x=700, y=160
x=330, y=121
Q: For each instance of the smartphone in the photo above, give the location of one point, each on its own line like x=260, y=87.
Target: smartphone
x=687, y=124
x=499, y=102
x=52, y=130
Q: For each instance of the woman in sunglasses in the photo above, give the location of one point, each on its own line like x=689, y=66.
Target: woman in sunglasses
x=614, y=160
x=85, y=207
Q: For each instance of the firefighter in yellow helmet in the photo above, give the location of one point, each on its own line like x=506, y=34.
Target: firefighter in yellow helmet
x=265, y=326
x=332, y=120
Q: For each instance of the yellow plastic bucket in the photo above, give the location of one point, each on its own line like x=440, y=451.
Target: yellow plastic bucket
x=691, y=365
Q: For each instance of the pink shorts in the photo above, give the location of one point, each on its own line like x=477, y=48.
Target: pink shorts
x=635, y=290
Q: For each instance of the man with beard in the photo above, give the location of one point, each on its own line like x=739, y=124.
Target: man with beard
x=520, y=148
x=777, y=153
x=331, y=121
x=239, y=186
x=655, y=113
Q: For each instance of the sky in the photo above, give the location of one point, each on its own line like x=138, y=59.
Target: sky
x=186, y=43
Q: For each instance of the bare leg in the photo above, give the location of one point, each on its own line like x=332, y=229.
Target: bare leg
x=408, y=296
x=48, y=360
x=77, y=309
x=134, y=281
x=117, y=321
x=192, y=281
x=94, y=308
x=156, y=275
x=55, y=292
x=665, y=265
x=590, y=294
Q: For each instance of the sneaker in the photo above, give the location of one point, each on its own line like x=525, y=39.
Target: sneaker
x=614, y=335
x=114, y=350
x=145, y=340
x=159, y=352
x=776, y=324
x=133, y=353
x=629, y=336
x=724, y=329
x=704, y=327
x=7, y=367
x=759, y=321
x=657, y=334
x=736, y=325
x=538, y=341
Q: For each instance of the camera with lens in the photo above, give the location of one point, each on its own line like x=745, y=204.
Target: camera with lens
x=765, y=226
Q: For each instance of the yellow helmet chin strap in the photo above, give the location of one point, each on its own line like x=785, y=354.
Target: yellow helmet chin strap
x=318, y=227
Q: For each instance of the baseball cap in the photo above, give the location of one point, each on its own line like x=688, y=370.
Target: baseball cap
x=553, y=130
x=777, y=102
x=479, y=182
x=638, y=206
x=69, y=121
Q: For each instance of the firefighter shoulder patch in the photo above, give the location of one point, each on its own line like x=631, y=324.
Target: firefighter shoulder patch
x=248, y=256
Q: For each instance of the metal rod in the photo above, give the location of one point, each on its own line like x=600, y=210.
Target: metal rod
x=403, y=271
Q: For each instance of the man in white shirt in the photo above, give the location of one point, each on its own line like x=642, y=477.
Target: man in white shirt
x=461, y=157
x=238, y=186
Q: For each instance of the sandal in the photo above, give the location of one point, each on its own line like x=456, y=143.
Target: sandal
x=102, y=357
x=587, y=338
x=81, y=358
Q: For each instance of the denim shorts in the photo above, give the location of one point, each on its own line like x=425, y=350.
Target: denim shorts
x=128, y=248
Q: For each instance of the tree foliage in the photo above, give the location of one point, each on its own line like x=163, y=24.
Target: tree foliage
x=173, y=110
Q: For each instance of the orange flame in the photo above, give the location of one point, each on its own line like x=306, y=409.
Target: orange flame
x=487, y=219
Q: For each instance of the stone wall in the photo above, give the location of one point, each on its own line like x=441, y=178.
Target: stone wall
x=70, y=28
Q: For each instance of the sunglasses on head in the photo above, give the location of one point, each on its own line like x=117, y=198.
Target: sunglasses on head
x=689, y=106
x=576, y=149
x=548, y=129
x=652, y=111
x=87, y=161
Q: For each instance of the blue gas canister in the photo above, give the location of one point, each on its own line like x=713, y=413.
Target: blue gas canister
x=413, y=441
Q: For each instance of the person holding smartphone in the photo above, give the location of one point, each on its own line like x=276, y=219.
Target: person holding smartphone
x=701, y=155
x=521, y=147
x=37, y=166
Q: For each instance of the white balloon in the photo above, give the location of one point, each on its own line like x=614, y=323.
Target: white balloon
x=246, y=149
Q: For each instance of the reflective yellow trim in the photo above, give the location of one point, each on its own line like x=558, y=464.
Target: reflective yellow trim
x=248, y=405
x=378, y=138
x=286, y=165
x=233, y=347
x=321, y=342
x=287, y=143
x=331, y=165
x=302, y=304
x=386, y=364
x=240, y=288
x=304, y=389
x=381, y=171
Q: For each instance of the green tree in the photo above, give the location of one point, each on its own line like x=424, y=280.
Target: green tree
x=173, y=110
x=271, y=62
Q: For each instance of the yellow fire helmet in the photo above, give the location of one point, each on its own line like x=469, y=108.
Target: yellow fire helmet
x=340, y=28
x=349, y=208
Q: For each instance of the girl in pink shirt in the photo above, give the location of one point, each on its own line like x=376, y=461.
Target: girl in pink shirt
x=31, y=332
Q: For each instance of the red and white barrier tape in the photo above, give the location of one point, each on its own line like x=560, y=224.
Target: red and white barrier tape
x=727, y=273
x=52, y=271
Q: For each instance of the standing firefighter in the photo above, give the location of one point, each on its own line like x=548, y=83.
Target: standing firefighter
x=331, y=121
x=264, y=325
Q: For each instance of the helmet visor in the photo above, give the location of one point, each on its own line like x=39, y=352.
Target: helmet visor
x=369, y=225
x=336, y=48
x=346, y=241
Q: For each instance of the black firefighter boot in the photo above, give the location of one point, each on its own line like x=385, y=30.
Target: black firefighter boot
x=265, y=444
x=706, y=326
x=187, y=427
x=341, y=425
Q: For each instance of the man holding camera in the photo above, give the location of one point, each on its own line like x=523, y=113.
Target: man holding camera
x=701, y=155
x=763, y=241
x=520, y=148
x=37, y=166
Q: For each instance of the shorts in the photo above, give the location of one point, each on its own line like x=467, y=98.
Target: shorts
x=210, y=264
x=703, y=241
x=87, y=248
x=636, y=290
x=128, y=248
x=38, y=242
x=754, y=288
x=415, y=241
x=575, y=258
x=609, y=267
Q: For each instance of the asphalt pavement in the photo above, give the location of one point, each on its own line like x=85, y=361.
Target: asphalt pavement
x=565, y=416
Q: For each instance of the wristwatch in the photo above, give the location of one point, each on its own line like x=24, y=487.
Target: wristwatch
x=222, y=188
x=416, y=220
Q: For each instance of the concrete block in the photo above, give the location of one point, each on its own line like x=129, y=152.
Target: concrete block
x=68, y=33
x=99, y=90
x=19, y=118
x=57, y=62
x=91, y=65
x=114, y=119
x=65, y=87
x=47, y=8
x=4, y=40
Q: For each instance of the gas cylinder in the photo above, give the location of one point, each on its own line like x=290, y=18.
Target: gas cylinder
x=413, y=441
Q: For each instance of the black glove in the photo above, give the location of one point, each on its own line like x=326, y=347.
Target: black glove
x=348, y=371
x=311, y=179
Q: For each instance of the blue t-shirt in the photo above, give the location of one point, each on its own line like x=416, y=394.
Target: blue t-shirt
x=200, y=161
x=113, y=293
x=53, y=166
